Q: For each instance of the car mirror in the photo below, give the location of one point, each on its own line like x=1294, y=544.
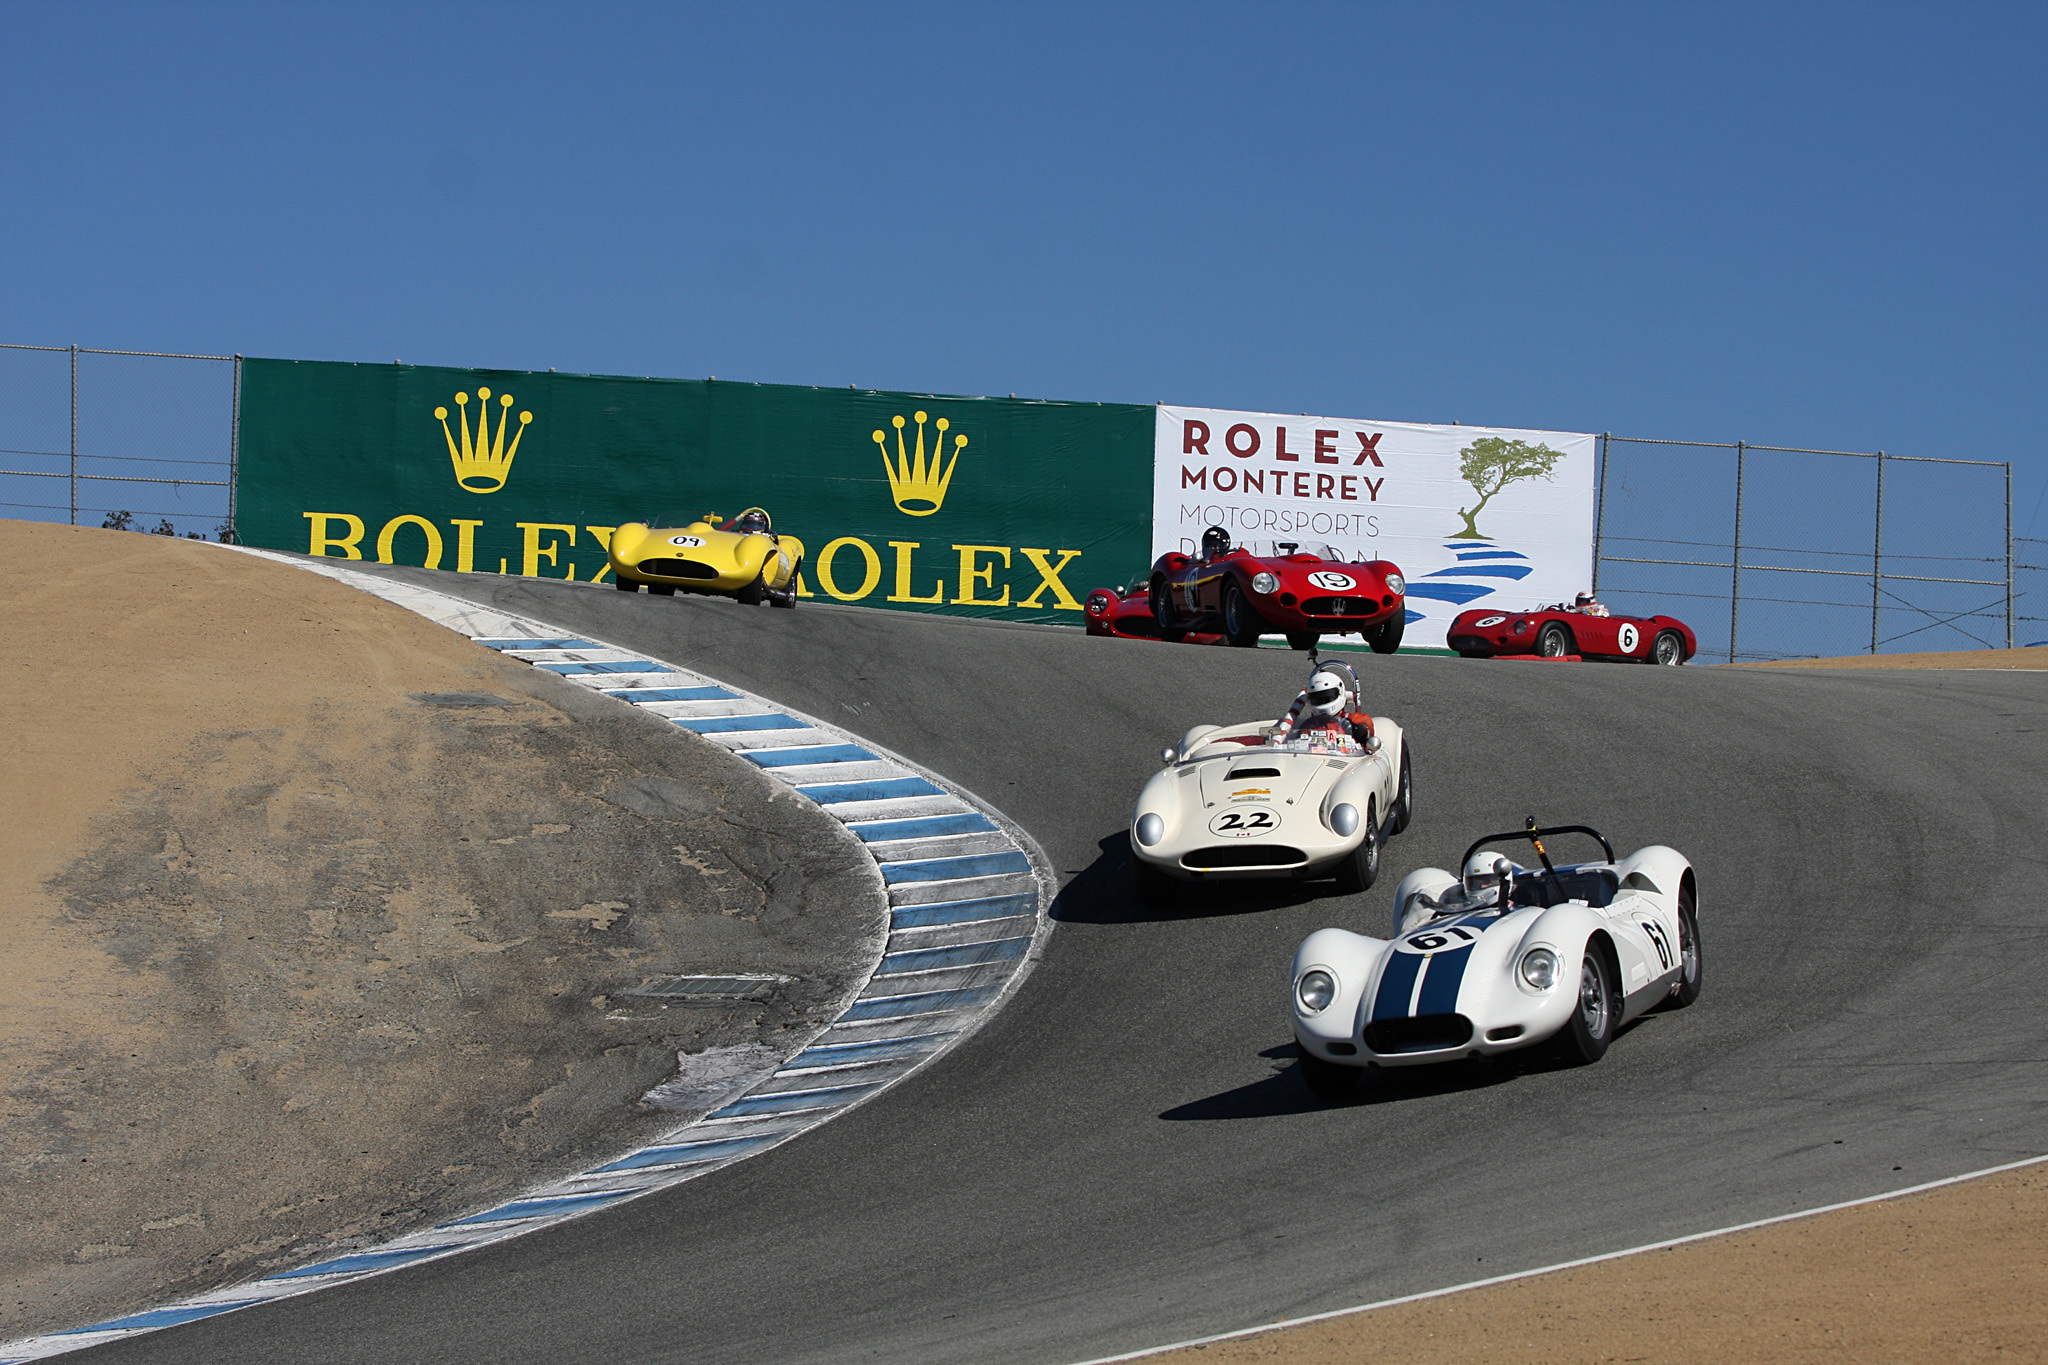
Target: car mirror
x=1166, y=755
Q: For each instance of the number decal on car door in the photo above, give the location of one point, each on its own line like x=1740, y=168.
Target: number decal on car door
x=1246, y=822
x=1628, y=638
x=1660, y=942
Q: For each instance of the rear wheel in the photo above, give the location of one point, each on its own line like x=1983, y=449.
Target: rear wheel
x=1157, y=892
x=1327, y=1080
x=787, y=597
x=1361, y=868
x=1667, y=649
x=1304, y=639
x=1162, y=612
x=1385, y=637
x=1554, y=642
x=1687, y=988
x=1586, y=1037
x=625, y=585
x=1241, y=625
x=1404, y=794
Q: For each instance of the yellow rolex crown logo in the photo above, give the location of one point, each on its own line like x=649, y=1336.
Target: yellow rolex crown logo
x=482, y=462
x=916, y=484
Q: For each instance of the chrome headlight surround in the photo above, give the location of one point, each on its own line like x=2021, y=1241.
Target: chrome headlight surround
x=1150, y=828
x=1314, y=989
x=1264, y=582
x=1538, y=969
x=1344, y=819
x=1397, y=585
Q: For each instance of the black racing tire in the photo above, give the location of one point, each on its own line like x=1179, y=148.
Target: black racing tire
x=1241, y=625
x=1404, y=792
x=625, y=584
x=754, y=592
x=662, y=589
x=1327, y=1080
x=1157, y=892
x=1473, y=654
x=1170, y=630
x=1585, y=1039
x=1361, y=867
x=786, y=599
x=1687, y=988
x=1667, y=649
x=1304, y=640
x=1385, y=637
x=1554, y=641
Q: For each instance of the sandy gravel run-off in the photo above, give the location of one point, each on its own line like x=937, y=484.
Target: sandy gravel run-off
x=296, y=962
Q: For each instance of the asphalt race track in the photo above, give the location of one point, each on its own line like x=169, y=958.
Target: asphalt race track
x=1125, y=1157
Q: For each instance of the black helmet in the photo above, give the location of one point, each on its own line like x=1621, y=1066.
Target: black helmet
x=753, y=520
x=1215, y=543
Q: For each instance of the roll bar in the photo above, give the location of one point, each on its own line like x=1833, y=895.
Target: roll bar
x=1533, y=834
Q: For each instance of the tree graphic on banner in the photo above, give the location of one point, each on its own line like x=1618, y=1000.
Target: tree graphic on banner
x=1490, y=464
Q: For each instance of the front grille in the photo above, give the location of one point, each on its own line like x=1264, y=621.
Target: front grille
x=1423, y=1033
x=1340, y=606
x=1242, y=855
x=1468, y=642
x=676, y=568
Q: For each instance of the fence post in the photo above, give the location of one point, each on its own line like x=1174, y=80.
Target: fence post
x=234, y=536
x=1600, y=510
x=1735, y=560
x=1877, y=554
x=74, y=433
x=2008, y=554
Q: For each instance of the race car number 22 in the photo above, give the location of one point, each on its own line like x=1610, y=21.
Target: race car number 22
x=1244, y=823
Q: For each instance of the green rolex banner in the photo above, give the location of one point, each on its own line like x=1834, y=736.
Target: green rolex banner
x=991, y=507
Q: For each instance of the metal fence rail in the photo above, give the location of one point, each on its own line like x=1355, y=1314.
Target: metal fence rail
x=1792, y=522
x=126, y=434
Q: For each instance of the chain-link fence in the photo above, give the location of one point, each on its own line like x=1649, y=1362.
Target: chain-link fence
x=1771, y=552
x=135, y=440
x=2030, y=580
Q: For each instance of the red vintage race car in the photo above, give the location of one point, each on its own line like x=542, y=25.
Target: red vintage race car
x=1246, y=591
x=1558, y=631
x=1127, y=612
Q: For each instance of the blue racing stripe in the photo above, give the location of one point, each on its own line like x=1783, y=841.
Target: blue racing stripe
x=517, y=642
x=785, y=1100
x=761, y=720
x=636, y=695
x=1397, y=983
x=961, y=912
x=920, y=827
x=953, y=869
x=368, y=1260
x=159, y=1317
x=880, y=1050
x=953, y=955
x=797, y=755
x=923, y=1002
x=1440, y=987
x=881, y=789
x=607, y=666
x=675, y=1154
x=537, y=1208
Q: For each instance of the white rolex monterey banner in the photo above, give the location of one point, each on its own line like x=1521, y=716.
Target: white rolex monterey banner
x=1485, y=516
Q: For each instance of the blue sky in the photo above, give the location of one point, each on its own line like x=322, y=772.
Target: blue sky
x=1795, y=224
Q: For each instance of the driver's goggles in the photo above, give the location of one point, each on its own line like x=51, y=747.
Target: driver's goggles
x=1323, y=696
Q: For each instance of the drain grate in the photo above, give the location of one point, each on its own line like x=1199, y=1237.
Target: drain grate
x=707, y=990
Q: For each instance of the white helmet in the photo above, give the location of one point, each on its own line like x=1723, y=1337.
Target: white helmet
x=1489, y=879
x=1327, y=695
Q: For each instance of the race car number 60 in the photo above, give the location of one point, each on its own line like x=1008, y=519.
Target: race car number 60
x=1244, y=823
x=1629, y=639
x=686, y=542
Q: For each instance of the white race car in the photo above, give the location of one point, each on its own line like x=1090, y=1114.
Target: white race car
x=1500, y=959
x=1247, y=801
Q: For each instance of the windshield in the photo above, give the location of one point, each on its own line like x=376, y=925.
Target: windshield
x=1278, y=549
x=681, y=518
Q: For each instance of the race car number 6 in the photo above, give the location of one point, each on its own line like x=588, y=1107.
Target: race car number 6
x=1629, y=638
x=1246, y=823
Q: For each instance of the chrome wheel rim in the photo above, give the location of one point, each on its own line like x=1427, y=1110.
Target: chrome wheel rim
x=1592, y=999
x=1688, y=949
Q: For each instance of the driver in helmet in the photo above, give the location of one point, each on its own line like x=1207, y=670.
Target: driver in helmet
x=1215, y=544
x=1326, y=712
x=1488, y=882
x=1586, y=605
x=750, y=522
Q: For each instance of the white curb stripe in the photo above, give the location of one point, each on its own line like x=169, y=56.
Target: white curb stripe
x=889, y=1030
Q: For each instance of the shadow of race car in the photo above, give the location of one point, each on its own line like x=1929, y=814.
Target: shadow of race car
x=1559, y=631
x=1246, y=591
x=1501, y=959
x=743, y=558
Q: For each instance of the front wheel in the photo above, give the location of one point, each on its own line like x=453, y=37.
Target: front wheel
x=1162, y=613
x=1555, y=642
x=1361, y=867
x=1404, y=794
x=751, y=595
x=787, y=597
x=1667, y=649
x=1240, y=623
x=1304, y=640
x=1385, y=637
x=1327, y=1080
x=662, y=589
x=1586, y=1037
x=625, y=585
x=1687, y=988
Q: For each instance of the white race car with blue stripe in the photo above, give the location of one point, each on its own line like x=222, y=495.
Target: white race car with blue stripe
x=1577, y=952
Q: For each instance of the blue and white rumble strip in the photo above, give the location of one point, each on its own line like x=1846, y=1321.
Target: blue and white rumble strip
x=967, y=899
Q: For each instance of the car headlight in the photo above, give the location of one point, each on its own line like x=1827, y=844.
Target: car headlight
x=1316, y=989
x=1397, y=584
x=1344, y=819
x=1539, y=968
x=1264, y=582
x=1151, y=829
x=1097, y=604
x=1521, y=627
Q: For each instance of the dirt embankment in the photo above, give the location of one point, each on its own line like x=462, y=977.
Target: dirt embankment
x=296, y=960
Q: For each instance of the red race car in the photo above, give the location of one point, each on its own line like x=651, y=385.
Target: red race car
x=1558, y=631
x=1245, y=592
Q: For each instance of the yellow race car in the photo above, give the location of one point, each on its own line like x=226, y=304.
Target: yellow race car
x=742, y=558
